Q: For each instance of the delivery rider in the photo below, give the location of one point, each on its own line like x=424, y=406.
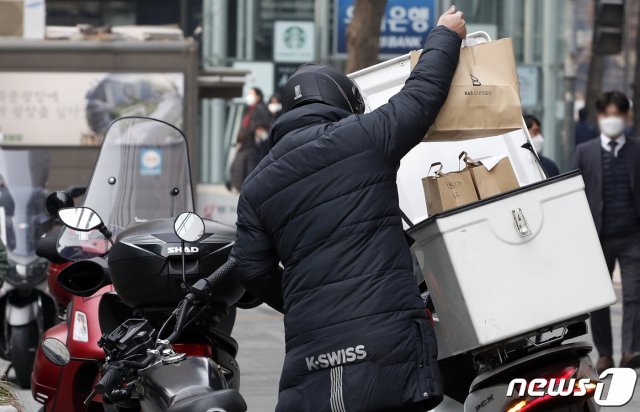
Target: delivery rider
x=324, y=203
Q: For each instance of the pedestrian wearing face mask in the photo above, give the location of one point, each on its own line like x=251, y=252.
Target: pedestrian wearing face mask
x=255, y=124
x=262, y=134
x=533, y=125
x=610, y=167
x=275, y=106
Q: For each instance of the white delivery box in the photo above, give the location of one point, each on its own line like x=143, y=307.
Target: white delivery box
x=512, y=264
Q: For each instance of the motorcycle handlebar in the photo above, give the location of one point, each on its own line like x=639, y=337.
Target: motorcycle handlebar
x=200, y=291
x=107, y=381
x=203, y=288
x=222, y=272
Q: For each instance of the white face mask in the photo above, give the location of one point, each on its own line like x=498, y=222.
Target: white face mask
x=262, y=135
x=538, y=142
x=611, y=126
x=275, y=107
x=251, y=99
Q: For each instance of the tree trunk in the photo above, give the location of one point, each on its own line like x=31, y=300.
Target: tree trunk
x=636, y=84
x=363, y=34
x=596, y=74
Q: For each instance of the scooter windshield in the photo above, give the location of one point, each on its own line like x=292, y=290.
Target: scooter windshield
x=23, y=176
x=142, y=174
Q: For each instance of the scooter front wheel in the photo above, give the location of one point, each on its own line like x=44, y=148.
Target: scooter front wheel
x=22, y=350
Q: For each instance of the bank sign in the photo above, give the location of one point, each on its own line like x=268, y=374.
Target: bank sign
x=404, y=26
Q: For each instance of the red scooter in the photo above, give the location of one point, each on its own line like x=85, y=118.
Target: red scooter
x=59, y=387
x=62, y=384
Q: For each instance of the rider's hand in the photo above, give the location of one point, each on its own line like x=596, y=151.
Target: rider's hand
x=454, y=20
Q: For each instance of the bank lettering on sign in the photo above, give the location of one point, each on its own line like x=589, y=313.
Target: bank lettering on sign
x=404, y=26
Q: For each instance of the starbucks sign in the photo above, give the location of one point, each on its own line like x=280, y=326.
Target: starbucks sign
x=294, y=41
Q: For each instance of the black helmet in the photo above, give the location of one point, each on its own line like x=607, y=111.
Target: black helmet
x=317, y=83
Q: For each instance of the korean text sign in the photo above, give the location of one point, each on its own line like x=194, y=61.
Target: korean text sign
x=404, y=26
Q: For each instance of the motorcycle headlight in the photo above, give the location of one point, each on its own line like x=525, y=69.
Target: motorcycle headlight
x=13, y=276
x=32, y=273
x=37, y=270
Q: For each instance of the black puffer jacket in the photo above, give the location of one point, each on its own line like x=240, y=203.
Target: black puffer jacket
x=324, y=202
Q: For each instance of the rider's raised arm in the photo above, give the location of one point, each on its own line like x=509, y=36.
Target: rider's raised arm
x=400, y=124
x=257, y=259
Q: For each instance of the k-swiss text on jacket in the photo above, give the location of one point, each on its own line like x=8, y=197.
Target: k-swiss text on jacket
x=336, y=358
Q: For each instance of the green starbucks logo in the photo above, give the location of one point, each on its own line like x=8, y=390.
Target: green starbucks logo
x=294, y=37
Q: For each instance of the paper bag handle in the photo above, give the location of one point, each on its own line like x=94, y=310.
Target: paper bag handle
x=471, y=37
x=468, y=161
x=438, y=172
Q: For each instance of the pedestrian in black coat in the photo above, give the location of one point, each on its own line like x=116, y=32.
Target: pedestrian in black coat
x=610, y=168
x=324, y=204
x=256, y=120
x=583, y=130
x=533, y=125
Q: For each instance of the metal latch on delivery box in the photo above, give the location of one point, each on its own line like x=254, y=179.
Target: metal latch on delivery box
x=521, y=223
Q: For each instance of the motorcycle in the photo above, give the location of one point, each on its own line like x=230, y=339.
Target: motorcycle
x=25, y=305
x=192, y=368
x=483, y=380
x=142, y=174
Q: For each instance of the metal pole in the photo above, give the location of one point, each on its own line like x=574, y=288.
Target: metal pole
x=322, y=20
x=240, y=30
x=549, y=79
x=205, y=129
x=250, y=29
x=529, y=31
x=219, y=32
x=626, y=44
x=569, y=83
x=509, y=19
x=213, y=110
x=184, y=16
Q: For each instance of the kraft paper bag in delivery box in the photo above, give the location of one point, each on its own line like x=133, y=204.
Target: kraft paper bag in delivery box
x=491, y=175
x=444, y=191
x=484, y=98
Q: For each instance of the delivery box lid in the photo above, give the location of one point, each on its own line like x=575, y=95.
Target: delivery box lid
x=533, y=186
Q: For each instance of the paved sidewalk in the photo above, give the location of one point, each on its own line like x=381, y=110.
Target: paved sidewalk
x=616, y=322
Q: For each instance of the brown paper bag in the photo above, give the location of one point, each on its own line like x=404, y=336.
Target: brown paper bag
x=493, y=178
x=445, y=191
x=484, y=99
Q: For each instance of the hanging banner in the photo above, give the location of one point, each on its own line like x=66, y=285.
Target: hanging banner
x=70, y=108
x=404, y=27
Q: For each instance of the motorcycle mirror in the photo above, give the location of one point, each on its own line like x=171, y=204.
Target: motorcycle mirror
x=82, y=219
x=56, y=352
x=58, y=200
x=189, y=227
